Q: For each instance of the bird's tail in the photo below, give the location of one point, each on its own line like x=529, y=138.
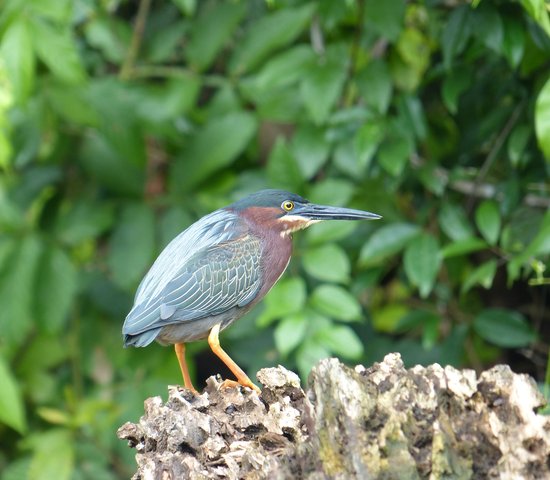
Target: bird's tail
x=141, y=339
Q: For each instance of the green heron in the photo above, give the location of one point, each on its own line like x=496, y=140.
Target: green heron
x=220, y=267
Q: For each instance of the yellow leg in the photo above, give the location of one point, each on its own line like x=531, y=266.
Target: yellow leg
x=180, y=353
x=242, y=377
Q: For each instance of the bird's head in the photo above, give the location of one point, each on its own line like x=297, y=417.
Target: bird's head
x=287, y=212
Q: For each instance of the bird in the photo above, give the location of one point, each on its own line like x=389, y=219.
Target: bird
x=218, y=269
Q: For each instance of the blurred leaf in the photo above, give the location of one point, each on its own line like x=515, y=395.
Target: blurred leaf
x=287, y=297
x=539, y=245
x=514, y=40
x=321, y=85
x=539, y=11
x=285, y=68
x=542, y=119
x=455, y=33
x=462, y=247
x=504, y=328
x=211, y=30
x=310, y=149
x=341, y=340
x=266, y=35
x=387, y=241
x=215, y=146
x=17, y=55
x=12, y=410
x=335, y=302
x=83, y=220
x=290, y=332
x=366, y=142
x=375, y=85
x=53, y=455
x=102, y=33
x=454, y=223
x=394, y=155
x=56, y=286
x=488, y=221
x=482, y=275
x=388, y=317
x=327, y=263
x=56, y=48
x=329, y=232
x=455, y=83
x=487, y=26
x=282, y=167
x=422, y=260
x=132, y=245
x=309, y=353
x=187, y=7
x=385, y=18
x=17, y=277
x=331, y=191
x=517, y=143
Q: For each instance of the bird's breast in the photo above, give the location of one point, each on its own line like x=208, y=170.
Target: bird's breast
x=276, y=252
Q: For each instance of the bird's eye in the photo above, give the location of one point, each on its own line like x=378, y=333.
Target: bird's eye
x=287, y=205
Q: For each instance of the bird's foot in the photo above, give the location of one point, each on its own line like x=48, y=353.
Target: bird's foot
x=233, y=384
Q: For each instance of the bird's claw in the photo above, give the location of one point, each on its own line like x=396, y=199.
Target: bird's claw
x=233, y=384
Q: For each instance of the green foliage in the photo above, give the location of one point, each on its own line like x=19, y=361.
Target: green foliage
x=120, y=125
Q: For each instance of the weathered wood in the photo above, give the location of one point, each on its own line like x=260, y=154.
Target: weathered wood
x=381, y=422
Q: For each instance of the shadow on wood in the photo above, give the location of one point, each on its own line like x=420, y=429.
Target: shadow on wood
x=379, y=422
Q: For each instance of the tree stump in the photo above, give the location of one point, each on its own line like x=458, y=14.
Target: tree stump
x=383, y=422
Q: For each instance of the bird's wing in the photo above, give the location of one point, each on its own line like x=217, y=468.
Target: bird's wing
x=215, y=279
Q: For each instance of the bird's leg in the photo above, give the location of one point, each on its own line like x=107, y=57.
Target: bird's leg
x=180, y=353
x=242, y=378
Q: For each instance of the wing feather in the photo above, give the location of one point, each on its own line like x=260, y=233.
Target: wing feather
x=213, y=280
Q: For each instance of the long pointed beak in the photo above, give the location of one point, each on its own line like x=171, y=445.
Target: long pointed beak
x=326, y=212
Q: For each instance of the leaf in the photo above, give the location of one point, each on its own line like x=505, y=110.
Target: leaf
x=504, y=328
x=17, y=55
x=455, y=83
x=321, y=85
x=310, y=149
x=542, y=119
x=341, y=340
x=488, y=221
x=211, y=30
x=216, y=145
x=375, y=85
x=539, y=11
x=454, y=223
x=331, y=191
x=539, y=245
x=394, y=154
x=266, y=35
x=287, y=297
x=282, y=168
x=514, y=40
x=327, y=263
x=12, y=409
x=285, y=68
x=57, y=50
x=329, y=232
x=422, y=260
x=187, y=7
x=132, y=245
x=488, y=27
x=290, y=332
x=463, y=247
x=56, y=286
x=17, y=277
x=387, y=241
x=53, y=455
x=366, y=142
x=83, y=221
x=386, y=18
x=335, y=302
x=455, y=33
x=482, y=275
x=309, y=353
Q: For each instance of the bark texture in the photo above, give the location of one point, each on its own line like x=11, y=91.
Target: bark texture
x=383, y=422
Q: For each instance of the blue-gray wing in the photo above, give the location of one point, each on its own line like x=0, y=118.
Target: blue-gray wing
x=214, y=280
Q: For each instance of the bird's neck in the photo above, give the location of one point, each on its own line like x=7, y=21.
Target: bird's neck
x=276, y=250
